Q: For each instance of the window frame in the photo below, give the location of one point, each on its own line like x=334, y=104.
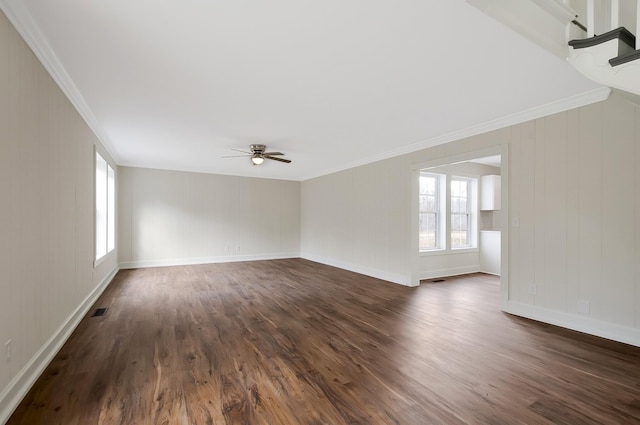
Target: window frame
x=445, y=246
x=104, y=208
x=468, y=214
x=440, y=182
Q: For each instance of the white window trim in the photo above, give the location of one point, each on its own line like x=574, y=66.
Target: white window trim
x=453, y=251
x=441, y=181
x=109, y=171
x=472, y=195
x=445, y=247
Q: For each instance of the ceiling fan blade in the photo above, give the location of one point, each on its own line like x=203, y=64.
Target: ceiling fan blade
x=278, y=159
x=272, y=153
x=238, y=150
x=235, y=156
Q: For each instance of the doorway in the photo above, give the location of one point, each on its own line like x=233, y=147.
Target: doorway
x=486, y=247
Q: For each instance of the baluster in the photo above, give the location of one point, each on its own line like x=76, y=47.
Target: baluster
x=615, y=14
x=638, y=25
x=590, y=18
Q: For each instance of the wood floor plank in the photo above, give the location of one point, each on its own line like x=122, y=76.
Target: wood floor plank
x=296, y=342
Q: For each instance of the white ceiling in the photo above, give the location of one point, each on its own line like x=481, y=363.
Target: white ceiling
x=176, y=84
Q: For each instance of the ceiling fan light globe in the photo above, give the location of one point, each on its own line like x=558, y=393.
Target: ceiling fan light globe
x=257, y=160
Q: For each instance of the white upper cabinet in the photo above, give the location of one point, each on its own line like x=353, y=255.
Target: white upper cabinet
x=490, y=191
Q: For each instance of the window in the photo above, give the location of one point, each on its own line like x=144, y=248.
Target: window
x=105, y=208
x=447, y=212
x=460, y=213
x=429, y=211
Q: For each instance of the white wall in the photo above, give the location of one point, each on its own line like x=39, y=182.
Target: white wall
x=574, y=187
x=172, y=217
x=46, y=220
x=358, y=220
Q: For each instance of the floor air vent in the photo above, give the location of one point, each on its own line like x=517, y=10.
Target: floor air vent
x=99, y=312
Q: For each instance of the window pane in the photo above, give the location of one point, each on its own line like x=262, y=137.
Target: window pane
x=427, y=203
x=431, y=203
x=423, y=185
x=463, y=188
x=431, y=185
x=460, y=217
x=101, y=207
x=459, y=239
x=428, y=231
x=427, y=185
x=455, y=205
x=111, y=213
x=427, y=222
x=464, y=205
x=429, y=210
x=455, y=188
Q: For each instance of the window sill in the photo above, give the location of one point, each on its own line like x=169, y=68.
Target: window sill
x=433, y=252
x=102, y=259
x=453, y=251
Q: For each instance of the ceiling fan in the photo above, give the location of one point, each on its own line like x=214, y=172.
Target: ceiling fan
x=258, y=155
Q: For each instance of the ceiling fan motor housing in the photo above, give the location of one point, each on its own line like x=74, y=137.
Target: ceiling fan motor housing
x=258, y=149
x=259, y=153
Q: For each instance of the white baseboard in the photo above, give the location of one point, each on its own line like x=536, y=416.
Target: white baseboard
x=17, y=389
x=206, y=260
x=454, y=271
x=398, y=278
x=575, y=322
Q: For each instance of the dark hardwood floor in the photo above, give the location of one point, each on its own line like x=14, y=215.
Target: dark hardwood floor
x=296, y=342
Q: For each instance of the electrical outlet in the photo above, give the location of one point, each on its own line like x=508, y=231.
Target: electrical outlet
x=533, y=289
x=8, y=350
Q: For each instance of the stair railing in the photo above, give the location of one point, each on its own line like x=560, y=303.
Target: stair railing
x=614, y=10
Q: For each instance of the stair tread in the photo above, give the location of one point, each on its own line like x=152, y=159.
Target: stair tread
x=627, y=57
x=622, y=33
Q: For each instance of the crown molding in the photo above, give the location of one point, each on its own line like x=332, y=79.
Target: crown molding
x=30, y=32
x=593, y=96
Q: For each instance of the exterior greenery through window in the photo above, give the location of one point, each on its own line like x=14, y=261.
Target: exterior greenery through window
x=105, y=208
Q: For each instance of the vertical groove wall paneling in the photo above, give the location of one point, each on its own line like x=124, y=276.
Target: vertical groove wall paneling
x=174, y=217
x=572, y=239
x=124, y=200
x=555, y=211
x=398, y=176
x=590, y=217
x=46, y=183
x=7, y=211
x=540, y=220
x=618, y=238
x=527, y=210
x=637, y=214
x=515, y=189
